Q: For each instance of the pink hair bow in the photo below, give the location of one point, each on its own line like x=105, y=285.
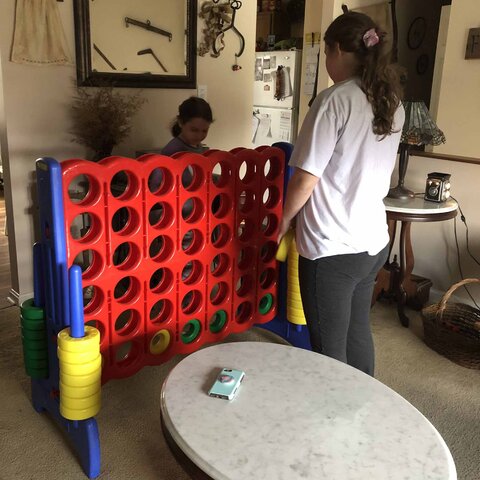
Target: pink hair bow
x=370, y=38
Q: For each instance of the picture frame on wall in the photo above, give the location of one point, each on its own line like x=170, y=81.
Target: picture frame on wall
x=416, y=32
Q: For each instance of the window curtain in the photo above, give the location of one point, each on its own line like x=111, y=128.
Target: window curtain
x=39, y=38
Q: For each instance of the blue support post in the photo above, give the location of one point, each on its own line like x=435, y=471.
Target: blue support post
x=59, y=296
x=297, y=335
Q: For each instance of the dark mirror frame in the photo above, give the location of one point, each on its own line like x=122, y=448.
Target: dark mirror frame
x=88, y=78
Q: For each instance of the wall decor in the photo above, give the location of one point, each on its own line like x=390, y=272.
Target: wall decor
x=423, y=62
x=416, y=32
x=473, y=44
x=39, y=46
x=145, y=44
x=219, y=17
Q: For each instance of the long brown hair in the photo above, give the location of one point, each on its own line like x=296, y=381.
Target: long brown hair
x=380, y=80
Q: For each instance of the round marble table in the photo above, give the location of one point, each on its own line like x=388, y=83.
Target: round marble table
x=297, y=415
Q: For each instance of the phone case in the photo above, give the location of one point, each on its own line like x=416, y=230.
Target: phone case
x=227, y=383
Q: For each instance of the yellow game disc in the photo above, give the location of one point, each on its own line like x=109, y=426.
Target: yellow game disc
x=71, y=344
x=81, y=369
x=73, y=414
x=80, y=392
x=80, y=380
x=282, y=250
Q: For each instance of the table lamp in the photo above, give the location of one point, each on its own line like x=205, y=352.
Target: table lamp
x=418, y=129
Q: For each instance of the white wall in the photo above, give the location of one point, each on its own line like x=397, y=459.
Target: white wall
x=37, y=121
x=459, y=102
x=458, y=109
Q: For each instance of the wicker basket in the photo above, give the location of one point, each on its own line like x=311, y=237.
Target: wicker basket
x=453, y=329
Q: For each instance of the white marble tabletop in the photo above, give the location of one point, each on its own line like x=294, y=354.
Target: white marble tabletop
x=297, y=415
x=419, y=205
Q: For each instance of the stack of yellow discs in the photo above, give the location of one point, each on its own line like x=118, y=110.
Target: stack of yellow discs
x=294, y=300
x=80, y=374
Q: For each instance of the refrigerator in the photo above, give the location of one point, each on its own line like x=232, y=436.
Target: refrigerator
x=276, y=94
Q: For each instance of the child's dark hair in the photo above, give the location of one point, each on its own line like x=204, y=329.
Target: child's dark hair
x=193, y=107
x=380, y=80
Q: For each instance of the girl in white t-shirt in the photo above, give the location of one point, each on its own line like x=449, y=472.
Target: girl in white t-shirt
x=343, y=158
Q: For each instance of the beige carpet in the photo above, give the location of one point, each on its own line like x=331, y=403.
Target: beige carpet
x=132, y=444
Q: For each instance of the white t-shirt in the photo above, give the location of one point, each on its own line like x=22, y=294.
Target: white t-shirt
x=345, y=213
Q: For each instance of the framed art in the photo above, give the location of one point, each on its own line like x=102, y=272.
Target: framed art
x=423, y=62
x=136, y=44
x=416, y=32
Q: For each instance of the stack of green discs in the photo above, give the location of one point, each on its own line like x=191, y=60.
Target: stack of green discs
x=34, y=340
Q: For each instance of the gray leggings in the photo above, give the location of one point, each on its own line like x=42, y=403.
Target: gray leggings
x=336, y=296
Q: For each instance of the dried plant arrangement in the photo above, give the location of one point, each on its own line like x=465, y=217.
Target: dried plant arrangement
x=102, y=118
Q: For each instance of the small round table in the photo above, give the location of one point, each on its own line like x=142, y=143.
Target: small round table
x=407, y=211
x=297, y=415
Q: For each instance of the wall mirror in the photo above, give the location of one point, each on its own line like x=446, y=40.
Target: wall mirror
x=145, y=43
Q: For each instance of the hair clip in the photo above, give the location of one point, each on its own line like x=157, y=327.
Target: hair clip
x=370, y=38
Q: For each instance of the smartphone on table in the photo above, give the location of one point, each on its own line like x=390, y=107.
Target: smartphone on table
x=226, y=384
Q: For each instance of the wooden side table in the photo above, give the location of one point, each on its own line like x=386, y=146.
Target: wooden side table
x=397, y=280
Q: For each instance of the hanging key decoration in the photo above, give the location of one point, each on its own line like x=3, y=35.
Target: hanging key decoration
x=236, y=66
x=219, y=18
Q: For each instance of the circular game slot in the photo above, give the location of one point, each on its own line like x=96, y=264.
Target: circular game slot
x=267, y=278
x=268, y=251
x=243, y=312
x=244, y=285
x=192, y=242
x=83, y=190
x=271, y=197
x=93, y=298
x=127, y=322
x=246, y=258
x=99, y=326
x=265, y=304
x=161, y=311
x=246, y=201
x=124, y=185
x=219, y=265
x=126, y=353
x=245, y=230
x=221, y=174
x=86, y=227
x=192, y=210
x=272, y=168
x=191, y=302
x=126, y=256
x=160, y=181
x=219, y=293
x=191, y=330
x=220, y=235
x=126, y=290
x=161, y=281
x=160, y=342
x=192, y=178
x=269, y=224
x=217, y=321
x=125, y=221
x=161, y=248
x=90, y=262
x=192, y=272
x=221, y=205
x=161, y=215
x=247, y=171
